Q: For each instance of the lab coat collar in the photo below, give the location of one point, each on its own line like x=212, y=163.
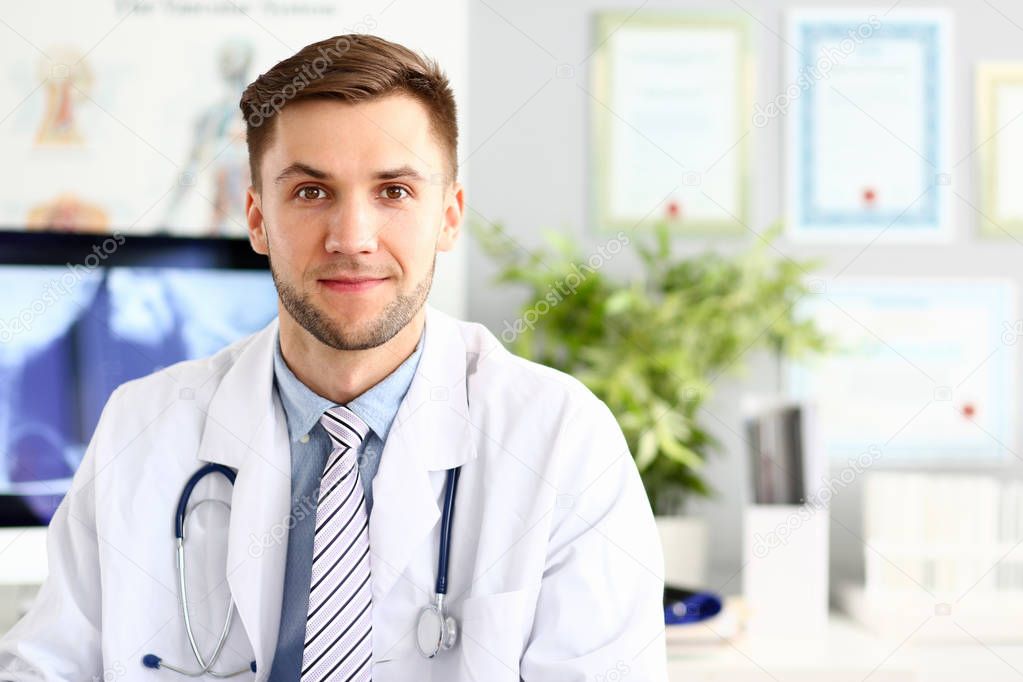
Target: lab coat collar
x=246, y=429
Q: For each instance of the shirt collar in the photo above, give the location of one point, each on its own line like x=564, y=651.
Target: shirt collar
x=377, y=406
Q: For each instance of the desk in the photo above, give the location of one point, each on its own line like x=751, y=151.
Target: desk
x=843, y=652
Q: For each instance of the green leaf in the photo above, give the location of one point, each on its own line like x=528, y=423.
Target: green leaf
x=676, y=451
x=647, y=449
x=618, y=302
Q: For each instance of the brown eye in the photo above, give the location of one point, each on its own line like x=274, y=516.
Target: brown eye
x=308, y=193
x=395, y=192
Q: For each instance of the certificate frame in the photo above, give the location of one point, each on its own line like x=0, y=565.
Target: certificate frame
x=603, y=122
x=927, y=218
x=991, y=78
x=983, y=380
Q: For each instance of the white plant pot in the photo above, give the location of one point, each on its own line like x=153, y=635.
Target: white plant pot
x=684, y=540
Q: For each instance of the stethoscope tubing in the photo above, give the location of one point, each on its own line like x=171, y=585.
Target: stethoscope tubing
x=186, y=493
x=450, y=488
x=155, y=662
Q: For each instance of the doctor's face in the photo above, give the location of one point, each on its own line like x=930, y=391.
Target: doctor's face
x=351, y=214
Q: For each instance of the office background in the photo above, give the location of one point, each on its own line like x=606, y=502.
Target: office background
x=529, y=146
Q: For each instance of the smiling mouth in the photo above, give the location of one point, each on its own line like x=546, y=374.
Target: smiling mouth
x=352, y=280
x=348, y=284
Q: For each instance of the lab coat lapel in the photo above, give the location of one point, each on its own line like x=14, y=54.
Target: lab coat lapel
x=431, y=433
x=246, y=429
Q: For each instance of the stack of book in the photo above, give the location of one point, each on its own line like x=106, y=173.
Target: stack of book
x=943, y=553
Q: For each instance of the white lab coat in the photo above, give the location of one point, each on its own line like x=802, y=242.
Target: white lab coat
x=556, y=568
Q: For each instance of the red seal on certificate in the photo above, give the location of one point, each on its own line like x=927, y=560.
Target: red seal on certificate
x=674, y=210
x=869, y=196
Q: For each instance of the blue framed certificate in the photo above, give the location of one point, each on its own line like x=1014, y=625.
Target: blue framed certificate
x=868, y=126
x=923, y=369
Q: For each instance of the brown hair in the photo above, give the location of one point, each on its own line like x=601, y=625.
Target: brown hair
x=351, y=68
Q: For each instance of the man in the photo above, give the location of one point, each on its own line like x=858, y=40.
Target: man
x=341, y=420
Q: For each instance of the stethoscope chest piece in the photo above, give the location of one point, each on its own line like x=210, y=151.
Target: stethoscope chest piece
x=435, y=631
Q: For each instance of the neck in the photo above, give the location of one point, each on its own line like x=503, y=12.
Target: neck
x=342, y=375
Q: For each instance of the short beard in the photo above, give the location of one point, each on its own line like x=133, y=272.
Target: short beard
x=392, y=320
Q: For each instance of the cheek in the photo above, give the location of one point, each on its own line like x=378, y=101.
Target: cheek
x=291, y=257
x=293, y=235
x=412, y=240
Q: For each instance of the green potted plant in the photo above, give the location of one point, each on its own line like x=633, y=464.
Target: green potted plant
x=652, y=347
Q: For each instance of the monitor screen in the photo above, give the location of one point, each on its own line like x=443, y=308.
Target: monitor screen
x=69, y=337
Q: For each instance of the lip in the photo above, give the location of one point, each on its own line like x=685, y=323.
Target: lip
x=351, y=285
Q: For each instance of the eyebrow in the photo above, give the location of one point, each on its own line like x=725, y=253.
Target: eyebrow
x=302, y=169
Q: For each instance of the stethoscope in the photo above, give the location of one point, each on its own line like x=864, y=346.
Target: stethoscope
x=435, y=629
x=206, y=667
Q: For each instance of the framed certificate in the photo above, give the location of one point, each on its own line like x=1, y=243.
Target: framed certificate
x=1000, y=137
x=868, y=126
x=670, y=101
x=924, y=370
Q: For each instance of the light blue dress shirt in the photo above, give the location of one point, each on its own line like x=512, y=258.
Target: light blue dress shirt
x=310, y=447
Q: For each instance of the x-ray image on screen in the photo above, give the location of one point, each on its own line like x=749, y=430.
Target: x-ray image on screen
x=69, y=340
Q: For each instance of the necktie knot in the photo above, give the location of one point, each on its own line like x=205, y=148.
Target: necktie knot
x=345, y=428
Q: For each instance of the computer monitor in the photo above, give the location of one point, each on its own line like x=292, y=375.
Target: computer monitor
x=73, y=328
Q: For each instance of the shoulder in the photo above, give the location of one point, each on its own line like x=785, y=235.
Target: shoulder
x=546, y=425
x=528, y=397
x=495, y=373
x=193, y=381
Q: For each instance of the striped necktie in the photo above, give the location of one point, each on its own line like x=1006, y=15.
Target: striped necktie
x=338, y=631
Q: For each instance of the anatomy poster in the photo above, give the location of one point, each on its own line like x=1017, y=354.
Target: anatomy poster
x=123, y=116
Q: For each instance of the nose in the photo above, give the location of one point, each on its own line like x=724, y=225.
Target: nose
x=352, y=228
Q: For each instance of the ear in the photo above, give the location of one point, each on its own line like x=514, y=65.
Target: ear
x=254, y=217
x=454, y=208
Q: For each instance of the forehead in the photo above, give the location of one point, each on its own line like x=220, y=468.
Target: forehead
x=354, y=139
